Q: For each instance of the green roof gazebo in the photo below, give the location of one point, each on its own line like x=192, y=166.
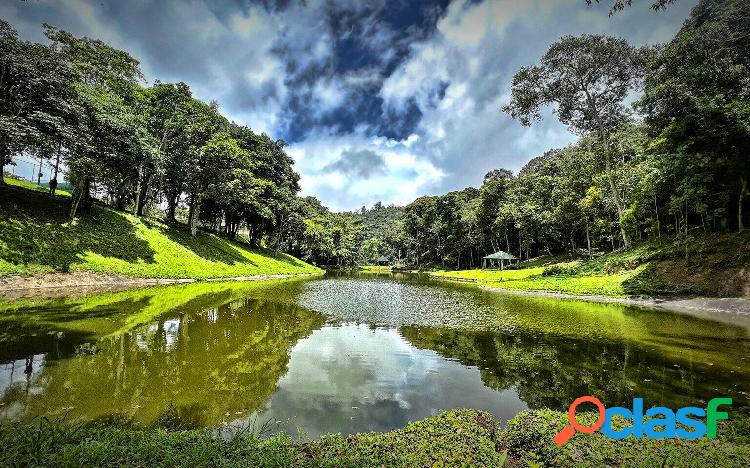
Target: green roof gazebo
x=499, y=256
x=383, y=260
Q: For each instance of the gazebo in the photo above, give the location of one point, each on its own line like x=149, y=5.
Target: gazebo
x=499, y=256
x=383, y=260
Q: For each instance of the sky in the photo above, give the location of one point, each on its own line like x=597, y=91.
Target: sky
x=379, y=100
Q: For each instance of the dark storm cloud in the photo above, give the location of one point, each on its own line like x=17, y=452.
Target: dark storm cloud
x=403, y=97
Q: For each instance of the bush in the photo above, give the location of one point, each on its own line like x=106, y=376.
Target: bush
x=561, y=269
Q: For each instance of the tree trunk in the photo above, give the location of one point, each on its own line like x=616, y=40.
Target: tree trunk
x=616, y=196
x=172, y=207
x=137, y=194
x=743, y=192
x=196, y=216
x=658, y=222
x=141, y=203
x=588, y=239
x=611, y=179
x=39, y=174
x=79, y=192
x=507, y=241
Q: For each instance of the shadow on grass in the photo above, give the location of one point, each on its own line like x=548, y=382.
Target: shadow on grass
x=276, y=255
x=648, y=283
x=203, y=245
x=35, y=230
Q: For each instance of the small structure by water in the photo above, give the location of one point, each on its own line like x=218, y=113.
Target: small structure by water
x=496, y=258
x=382, y=261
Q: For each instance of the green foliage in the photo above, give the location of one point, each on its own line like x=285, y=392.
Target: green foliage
x=458, y=437
x=655, y=268
x=528, y=440
x=452, y=438
x=37, y=236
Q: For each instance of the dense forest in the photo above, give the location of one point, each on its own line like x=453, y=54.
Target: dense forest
x=663, y=151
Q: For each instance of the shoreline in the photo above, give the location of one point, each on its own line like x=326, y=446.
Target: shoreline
x=735, y=310
x=19, y=286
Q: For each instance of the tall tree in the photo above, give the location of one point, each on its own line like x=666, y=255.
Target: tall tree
x=587, y=77
x=697, y=103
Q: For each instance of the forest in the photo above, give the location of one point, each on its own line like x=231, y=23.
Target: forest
x=663, y=152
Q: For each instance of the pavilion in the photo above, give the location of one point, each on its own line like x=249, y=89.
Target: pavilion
x=500, y=257
x=382, y=260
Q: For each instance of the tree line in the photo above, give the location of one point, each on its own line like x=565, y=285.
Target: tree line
x=81, y=105
x=663, y=151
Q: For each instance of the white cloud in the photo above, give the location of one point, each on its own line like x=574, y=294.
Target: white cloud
x=404, y=177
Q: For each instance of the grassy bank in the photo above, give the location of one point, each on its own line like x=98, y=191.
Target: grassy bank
x=376, y=268
x=36, y=236
x=715, y=265
x=462, y=437
x=453, y=438
x=527, y=439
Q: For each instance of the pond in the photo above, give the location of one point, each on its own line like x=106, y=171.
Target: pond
x=349, y=353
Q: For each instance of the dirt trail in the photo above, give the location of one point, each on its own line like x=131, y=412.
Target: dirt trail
x=81, y=283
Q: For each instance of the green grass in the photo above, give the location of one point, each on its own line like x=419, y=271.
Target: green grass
x=459, y=437
x=716, y=265
x=528, y=441
x=36, y=236
x=454, y=438
x=376, y=268
x=534, y=279
x=32, y=186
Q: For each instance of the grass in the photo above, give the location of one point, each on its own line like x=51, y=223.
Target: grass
x=36, y=236
x=454, y=438
x=459, y=437
x=376, y=268
x=32, y=186
x=536, y=279
x=528, y=441
x=716, y=265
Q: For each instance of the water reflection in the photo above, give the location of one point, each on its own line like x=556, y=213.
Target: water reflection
x=349, y=354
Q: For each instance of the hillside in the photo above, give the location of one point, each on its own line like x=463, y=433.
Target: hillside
x=715, y=265
x=36, y=236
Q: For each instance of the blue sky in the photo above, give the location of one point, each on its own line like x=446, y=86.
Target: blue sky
x=380, y=101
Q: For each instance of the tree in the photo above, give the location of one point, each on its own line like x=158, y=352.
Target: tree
x=587, y=78
x=619, y=5
x=697, y=103
x=37, y=99
x=223, y=175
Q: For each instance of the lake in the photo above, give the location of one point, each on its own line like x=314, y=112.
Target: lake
x=349, y=353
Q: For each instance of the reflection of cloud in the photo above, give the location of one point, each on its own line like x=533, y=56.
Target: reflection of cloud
x=355, y=378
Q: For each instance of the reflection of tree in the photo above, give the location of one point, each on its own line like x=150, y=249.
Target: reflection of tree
x=210, y=357
x=551, y=371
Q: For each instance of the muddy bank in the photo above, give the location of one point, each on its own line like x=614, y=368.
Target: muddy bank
x=735, y=310
x=82, y=283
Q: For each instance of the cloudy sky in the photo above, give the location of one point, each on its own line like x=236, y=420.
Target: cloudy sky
x=379, y=100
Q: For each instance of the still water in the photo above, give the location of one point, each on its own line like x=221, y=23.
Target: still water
x=348, y=354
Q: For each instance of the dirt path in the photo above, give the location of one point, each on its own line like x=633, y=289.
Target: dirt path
x=735, y=310
x=82, y=282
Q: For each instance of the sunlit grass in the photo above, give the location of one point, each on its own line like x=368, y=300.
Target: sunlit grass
x=534, y=279
x=33, y=186
x=376, y=268
x=36, y=236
